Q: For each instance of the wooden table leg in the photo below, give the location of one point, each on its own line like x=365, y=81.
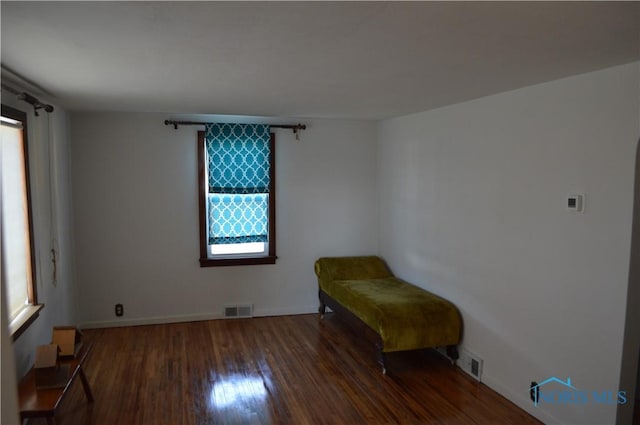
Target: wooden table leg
x=51, y=420
x=85, y=384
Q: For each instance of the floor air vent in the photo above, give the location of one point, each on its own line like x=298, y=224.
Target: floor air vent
x=238, y=311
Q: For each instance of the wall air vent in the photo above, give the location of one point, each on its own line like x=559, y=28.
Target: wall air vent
x=471, y=364
x=238, y=311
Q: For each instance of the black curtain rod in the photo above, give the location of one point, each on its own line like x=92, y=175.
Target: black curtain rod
x=294, y=127
x=31, y=100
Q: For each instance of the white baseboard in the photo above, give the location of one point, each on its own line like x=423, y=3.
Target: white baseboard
x=194, y=317
x=262, y=312
x=151, y=321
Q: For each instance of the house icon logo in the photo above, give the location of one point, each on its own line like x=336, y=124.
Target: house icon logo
x=535, y=389
x=564, y=393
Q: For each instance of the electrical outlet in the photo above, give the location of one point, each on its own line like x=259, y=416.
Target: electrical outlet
x=119, y=310
x=534, y=391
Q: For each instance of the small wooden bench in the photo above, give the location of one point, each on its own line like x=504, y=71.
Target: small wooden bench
x=38, y=403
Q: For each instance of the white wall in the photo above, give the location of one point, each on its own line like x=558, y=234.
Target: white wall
x=47, y=135
x=472, y=207
x=135, y=203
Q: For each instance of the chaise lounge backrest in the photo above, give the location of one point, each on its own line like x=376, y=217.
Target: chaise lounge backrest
x=351, y=268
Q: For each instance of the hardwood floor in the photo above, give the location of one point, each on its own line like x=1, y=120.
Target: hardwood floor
x=277, y=370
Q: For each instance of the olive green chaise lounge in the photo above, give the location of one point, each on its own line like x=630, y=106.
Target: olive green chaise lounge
x=398, y=315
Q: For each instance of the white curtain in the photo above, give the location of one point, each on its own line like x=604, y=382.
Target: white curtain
x=16, y=249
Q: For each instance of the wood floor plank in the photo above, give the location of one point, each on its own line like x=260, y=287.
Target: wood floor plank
x=277, y=370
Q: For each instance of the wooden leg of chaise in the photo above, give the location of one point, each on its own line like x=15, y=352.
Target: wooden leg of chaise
x=383, y=362
x=452, y=352
x=322, y=309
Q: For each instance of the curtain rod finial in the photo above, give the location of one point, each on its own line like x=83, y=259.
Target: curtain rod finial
x=170, y=122
x=297, y=128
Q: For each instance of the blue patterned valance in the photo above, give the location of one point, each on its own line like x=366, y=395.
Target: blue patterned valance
x=238, y=157
x=238, y=168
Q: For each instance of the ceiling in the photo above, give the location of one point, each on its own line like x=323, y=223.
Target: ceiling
x=362, y=60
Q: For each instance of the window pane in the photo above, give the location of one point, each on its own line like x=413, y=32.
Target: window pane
x=239, y=248
x=238, y=218
x=15, y=220
x=236, y=182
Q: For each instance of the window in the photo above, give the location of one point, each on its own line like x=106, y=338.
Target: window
x=18, y=270
x=236, y=178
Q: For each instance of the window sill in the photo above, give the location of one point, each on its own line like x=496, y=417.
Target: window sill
x=246, y=261
x=23, y=320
